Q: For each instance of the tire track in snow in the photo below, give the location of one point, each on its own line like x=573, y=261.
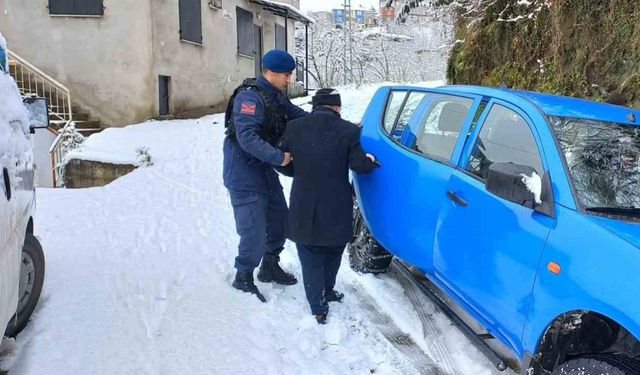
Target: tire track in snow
x=437, y=349
x=400, y=340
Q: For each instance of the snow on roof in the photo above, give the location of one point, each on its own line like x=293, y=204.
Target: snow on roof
x=382, y=32
x=290, y=9
x=362, y=7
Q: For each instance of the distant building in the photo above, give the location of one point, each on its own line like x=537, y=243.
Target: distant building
x=338, y=16
x=387, y=14
x=364, y=16
x=358, y=15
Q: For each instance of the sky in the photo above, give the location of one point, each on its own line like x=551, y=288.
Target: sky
x=315, y=5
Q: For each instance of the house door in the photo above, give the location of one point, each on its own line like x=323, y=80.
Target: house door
x=163, y=94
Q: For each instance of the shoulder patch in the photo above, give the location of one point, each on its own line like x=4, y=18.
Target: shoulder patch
x=248, y=108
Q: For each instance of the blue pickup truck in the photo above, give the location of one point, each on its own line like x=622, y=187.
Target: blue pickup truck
x=522, y=208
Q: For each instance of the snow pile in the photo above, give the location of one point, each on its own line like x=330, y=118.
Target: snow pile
x=14, y=122
x=121, y=145
x=534, y=185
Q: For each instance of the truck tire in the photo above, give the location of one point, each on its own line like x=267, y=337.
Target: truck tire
x=366, y=255
x=31, y=280
x=609, y=364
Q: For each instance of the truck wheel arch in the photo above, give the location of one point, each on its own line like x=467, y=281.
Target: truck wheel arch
x=581, y=332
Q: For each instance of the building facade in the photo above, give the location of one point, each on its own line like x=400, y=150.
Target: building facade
x=125, y=61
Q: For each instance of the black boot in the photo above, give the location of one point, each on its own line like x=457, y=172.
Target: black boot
x=244, y=282
x=270, y=271
x=321, y=319
x=333, y=296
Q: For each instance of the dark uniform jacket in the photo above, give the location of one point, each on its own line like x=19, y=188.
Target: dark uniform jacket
x=323, y=148
x=249, y=159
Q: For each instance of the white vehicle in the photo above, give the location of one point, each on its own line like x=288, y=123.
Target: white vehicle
x=21, y=256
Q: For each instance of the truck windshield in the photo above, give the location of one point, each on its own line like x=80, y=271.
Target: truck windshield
x=603, y=159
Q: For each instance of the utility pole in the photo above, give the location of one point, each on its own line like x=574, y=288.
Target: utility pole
x=344, y=49
x=346, y=6
x=350, y=41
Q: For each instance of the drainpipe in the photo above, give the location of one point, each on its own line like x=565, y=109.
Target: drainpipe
x=286, y=30
x=286, y=40
x=306, y=59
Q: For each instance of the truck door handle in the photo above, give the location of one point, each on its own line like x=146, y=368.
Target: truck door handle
x=454, y=197
x=7, y=183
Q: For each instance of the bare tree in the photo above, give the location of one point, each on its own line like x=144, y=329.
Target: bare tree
x=402, y=52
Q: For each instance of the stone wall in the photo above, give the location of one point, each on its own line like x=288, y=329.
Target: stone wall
x=86, y=173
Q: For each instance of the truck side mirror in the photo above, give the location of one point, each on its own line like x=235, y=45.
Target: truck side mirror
x=38, y=113
x=507, y=181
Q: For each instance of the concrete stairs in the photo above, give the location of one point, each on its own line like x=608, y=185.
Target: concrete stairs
x=31, y=81
x=85, y=124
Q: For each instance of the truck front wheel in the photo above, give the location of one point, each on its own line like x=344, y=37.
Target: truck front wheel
x=31, y=281
x=609, y=364
x=366, y=255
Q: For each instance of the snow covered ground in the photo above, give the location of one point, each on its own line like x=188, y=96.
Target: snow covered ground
x=139, y=273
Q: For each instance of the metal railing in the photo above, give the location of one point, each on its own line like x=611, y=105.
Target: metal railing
x=33, y=81
x=57, y=154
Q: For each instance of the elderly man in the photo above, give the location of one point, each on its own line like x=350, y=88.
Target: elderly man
x=323, y=148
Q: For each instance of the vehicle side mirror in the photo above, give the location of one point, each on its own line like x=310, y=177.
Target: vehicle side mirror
x=521, y=184
x=38, y=113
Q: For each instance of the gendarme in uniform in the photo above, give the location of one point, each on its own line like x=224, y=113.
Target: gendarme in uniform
x=257, y=117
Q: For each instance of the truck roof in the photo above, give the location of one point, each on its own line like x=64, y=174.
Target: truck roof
x=557, y=105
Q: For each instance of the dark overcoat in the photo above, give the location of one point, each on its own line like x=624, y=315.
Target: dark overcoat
x=323, y=148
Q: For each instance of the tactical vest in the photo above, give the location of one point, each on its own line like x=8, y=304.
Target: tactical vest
x=275, y=120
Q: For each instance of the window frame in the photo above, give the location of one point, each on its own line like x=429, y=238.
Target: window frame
x=239, y=52
x=184, y=38
x=401, y=112
x=386, y=108
x=462, y=133
x=459, y=148
x=472, y=138
x=99, y=14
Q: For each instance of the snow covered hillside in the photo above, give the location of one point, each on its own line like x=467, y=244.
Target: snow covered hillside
x=139, y=274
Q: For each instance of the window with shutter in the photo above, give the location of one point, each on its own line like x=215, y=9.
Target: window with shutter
x=190, y=21
x=281, y=38
x=244, y=20
x=76, y=7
